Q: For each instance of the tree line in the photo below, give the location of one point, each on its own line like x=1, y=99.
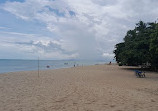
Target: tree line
x=139, y=46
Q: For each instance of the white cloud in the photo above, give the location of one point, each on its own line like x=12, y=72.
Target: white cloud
x=107, y=55
x=16, y=33
x=5, y=28
x=85, y=29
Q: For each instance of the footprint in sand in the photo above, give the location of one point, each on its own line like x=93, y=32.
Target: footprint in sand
x=153, y=100
x=112, y=106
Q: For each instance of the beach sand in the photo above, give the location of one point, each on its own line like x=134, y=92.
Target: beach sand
x=87, y=88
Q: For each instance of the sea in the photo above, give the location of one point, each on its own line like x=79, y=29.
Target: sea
x=14, y=65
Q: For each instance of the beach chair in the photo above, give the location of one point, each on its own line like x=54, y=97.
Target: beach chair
x=139, y=74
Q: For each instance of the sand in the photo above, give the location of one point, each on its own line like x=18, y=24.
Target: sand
x=88, y=88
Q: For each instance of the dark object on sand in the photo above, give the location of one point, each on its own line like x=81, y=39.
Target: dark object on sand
x=48, y=66
x=139, y=74
x=120, y=64
x=66, y=63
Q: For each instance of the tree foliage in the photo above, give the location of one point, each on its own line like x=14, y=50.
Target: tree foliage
x=140, y=46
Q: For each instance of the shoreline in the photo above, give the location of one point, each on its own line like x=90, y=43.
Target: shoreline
x=27, y=65
x=94, y=88
x=47, y=69
x=54, y=68
x=32, y=70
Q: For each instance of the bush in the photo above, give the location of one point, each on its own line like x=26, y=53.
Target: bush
x=120, y=64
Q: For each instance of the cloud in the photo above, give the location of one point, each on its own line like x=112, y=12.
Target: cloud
x=105, y=2
x=34, y=45
x=45, y=46
x=16, y=33
x=85, y=29
x=4, y=28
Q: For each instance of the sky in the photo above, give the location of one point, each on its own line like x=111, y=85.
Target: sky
x=68, y=29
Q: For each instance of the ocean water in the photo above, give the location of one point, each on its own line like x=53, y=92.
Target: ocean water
x=12, y=65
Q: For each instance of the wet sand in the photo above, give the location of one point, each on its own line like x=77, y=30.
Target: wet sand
x=87, y=88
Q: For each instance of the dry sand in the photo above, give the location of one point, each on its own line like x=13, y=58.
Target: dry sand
x=88, y=88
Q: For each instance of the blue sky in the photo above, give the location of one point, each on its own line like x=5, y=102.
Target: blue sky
x=68, y=29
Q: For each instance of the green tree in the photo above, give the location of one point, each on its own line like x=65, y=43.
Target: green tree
x=140, y=45
x=154, y=48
